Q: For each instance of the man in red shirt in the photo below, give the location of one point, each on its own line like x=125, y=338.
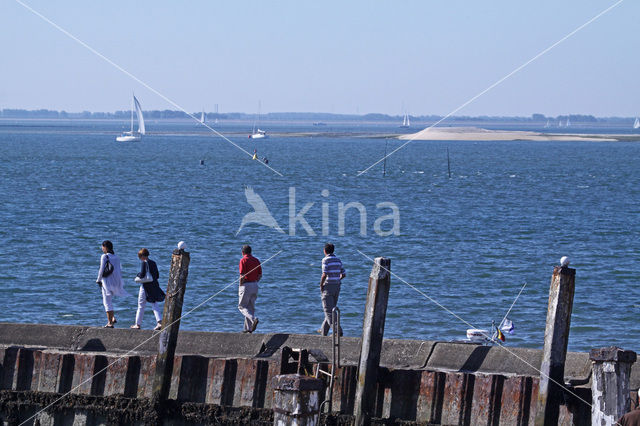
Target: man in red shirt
x=250, y=274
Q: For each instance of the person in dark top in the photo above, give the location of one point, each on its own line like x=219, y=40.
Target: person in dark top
x=150, y=290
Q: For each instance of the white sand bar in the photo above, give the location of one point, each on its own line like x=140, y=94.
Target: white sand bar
x=478, y=134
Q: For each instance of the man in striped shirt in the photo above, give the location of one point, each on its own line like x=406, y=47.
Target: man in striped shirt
x=332, y=275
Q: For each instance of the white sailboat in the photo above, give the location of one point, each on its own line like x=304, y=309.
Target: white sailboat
x=256, y=133
x=636, y=124
x=568, y=122
x=202, y=117
x=548, y=124
x=406, y=122
x=131, y=135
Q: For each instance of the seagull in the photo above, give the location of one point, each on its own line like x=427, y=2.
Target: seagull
x=261, y=214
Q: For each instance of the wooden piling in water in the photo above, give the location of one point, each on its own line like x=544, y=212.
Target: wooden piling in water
x=554, y=352
x=170, y=323
x=371, y=343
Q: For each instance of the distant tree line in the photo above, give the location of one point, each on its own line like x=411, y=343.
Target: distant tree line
x=297, y=116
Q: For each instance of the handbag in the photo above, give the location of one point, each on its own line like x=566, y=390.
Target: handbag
x=108, y=268
x=147, y=277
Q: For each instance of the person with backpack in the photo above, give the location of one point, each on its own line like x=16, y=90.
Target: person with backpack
x=150, y=290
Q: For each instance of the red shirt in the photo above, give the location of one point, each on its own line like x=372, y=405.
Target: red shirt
x=250, y=268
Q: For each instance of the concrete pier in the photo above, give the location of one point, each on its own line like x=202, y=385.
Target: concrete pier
x=230, y=376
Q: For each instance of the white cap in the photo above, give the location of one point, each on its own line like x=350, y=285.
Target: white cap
x=564, y=261
x=182, y=245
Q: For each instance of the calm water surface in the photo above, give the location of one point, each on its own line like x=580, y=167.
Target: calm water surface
x=506, y=216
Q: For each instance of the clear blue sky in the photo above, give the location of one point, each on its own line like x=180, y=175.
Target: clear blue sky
x=325, y=56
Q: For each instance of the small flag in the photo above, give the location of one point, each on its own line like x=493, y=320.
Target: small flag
x=500, y=335
x=507, y=326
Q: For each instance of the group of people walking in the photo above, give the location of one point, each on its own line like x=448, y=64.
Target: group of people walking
x=111, y=284
x=251, y=272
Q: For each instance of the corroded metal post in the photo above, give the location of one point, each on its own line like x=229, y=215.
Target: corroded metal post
x=372, y=332
x=170, y=323
x=556, y=339
x=296, y=400
x=610, y=372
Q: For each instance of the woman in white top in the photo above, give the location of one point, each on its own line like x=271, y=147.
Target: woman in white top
x=110, y=283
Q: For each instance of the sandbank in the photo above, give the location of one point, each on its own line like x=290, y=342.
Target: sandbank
x=479, y=134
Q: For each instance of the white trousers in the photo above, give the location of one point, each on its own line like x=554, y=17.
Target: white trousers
x=247, y=295
x=107, y=300
x=142, y=302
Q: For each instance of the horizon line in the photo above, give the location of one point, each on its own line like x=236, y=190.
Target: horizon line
x=530, y=117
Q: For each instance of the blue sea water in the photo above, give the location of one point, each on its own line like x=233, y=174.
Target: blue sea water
x=505, y=217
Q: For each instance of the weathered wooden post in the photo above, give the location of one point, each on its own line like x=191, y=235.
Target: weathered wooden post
x=610, y=372
x=296, y=400
x=170, y=323
x=556, y=339
x=372, y=332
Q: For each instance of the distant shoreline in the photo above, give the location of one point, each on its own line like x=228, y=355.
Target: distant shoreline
x=479, y=134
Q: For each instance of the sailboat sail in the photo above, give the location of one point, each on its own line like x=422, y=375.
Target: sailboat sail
x=256, y=133
x=636, y=124
x=202, y=117
x=141, y=128
x=405, y=121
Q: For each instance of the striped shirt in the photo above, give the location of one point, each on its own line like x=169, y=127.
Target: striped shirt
x=332, y=266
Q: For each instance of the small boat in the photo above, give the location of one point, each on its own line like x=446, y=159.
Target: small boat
x=131, y=135
x=406, y=122
x=202, y=117
x=547, y=125
x=568, y=123
x=319, y=123
x=636, y=124
x=257, y=133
